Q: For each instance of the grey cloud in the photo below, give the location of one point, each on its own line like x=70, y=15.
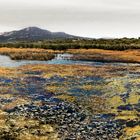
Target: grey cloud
x=94, y=18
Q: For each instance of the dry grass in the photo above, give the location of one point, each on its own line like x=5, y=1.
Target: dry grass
x=66, y=98
x=27, y=54
x=14, y=103
x=79, y=54
x=22, y=123
x=112, y=88
x=106, y=55
x=133, y=132
x=73, y=70
x=8, y=72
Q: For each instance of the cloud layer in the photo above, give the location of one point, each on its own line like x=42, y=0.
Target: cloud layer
x=93, y=18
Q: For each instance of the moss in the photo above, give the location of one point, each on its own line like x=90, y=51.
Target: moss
x=17, y=102
x=134, y=98
x=64, y=80
x=115, y=101
x=3, y=117
x=29, y=129
x=116, y=86
x=94, y=104
x=87, y=87
x=127, y=115
x=131, y=132
x=66, y=98
x=28, y=136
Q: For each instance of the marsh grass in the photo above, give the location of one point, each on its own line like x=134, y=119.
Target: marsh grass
x=112, y=85
x=94, y=104
x=128, y=56
x=27, y=54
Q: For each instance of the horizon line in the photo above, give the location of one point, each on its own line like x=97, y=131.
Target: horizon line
x=95, y=37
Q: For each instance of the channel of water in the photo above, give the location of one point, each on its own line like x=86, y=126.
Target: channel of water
x=5, y=61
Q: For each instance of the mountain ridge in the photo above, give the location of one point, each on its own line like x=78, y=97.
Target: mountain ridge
x=33, y=34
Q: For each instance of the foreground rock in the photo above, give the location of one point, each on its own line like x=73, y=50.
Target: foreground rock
x=70, y=121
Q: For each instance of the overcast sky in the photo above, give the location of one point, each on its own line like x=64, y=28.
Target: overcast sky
x=91, y=18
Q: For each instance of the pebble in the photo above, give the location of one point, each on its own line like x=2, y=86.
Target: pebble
x=70, y=120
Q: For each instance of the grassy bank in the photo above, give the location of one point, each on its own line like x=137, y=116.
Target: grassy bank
x=27, y=54
x=128, y=56
x=100, y=55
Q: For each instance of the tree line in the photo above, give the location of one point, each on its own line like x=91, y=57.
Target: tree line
x=107, y=44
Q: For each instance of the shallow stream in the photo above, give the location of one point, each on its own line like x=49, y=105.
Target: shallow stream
x=5, y=61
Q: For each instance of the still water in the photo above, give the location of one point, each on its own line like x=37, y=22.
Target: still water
x=5, y=61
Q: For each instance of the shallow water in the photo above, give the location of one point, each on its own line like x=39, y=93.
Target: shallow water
x=5, y=61
x=33, y=96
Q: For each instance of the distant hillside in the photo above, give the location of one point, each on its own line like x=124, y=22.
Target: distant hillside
x=33, y=34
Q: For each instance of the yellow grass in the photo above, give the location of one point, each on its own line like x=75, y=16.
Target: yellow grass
x=14, y=103
x=127, y=55
x=27, y=54
x=127, y=115
x=131, y=132
x=66, y=98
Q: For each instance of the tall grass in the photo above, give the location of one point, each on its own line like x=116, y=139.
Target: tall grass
x=27, y=54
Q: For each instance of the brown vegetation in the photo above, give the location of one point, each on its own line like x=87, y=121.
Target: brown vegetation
x=27, y=54
x=128, y=56
x=131, y=56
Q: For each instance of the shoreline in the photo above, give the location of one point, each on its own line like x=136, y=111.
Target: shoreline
x=95, y=55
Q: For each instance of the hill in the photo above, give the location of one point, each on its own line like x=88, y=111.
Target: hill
x=33, y=34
